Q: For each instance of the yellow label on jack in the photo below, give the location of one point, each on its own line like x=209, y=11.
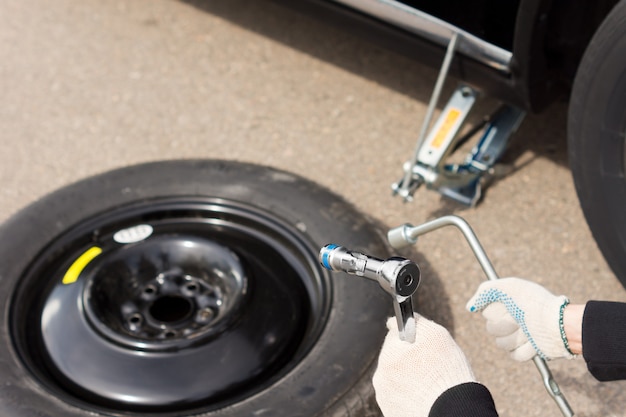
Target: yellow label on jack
x=446, y=127
x=79, y=264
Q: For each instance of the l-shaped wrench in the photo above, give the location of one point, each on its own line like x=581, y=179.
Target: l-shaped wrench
x=406, y=235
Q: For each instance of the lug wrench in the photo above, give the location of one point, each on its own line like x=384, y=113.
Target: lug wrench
x=407, y=235
x=399, y=277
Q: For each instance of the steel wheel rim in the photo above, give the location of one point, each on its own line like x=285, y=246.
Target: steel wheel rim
x=225, y=227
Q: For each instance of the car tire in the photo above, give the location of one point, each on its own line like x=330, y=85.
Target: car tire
x=204, y=296
x=597, y=135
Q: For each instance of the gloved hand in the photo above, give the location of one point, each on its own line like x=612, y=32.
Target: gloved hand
x=526, y=319
x=411, y=376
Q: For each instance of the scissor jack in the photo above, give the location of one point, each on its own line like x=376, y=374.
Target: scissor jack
x=461, y=181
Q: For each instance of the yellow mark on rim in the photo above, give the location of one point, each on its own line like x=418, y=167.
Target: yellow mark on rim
x=446, y=127
x=79, y=264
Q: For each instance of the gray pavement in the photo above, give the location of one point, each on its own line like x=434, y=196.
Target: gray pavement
x=87, y=86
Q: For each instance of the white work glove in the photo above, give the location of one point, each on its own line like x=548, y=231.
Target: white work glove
x=411, y=376
x=525, y=318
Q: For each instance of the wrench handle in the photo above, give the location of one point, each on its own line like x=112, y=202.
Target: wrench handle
x=403, y=308
x=406, y=235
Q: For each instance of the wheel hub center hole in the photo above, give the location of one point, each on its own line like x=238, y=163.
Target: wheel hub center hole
x=171, y=309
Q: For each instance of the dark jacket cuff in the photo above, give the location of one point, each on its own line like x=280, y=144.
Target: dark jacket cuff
x=465, y=400
x=604, y=339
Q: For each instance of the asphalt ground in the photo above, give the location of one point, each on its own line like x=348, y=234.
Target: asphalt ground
x=88, y=86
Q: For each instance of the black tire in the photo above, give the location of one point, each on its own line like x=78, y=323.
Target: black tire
x=272, y=221
x=597, y=135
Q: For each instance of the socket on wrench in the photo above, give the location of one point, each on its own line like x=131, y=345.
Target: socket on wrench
x=399, y=277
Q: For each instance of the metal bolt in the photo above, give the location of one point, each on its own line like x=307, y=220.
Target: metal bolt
x=205, y=315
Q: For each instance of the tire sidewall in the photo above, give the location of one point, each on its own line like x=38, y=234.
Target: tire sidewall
x=596, y=135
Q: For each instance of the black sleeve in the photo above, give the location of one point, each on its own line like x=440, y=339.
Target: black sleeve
x=465, y=400
x=604, y=339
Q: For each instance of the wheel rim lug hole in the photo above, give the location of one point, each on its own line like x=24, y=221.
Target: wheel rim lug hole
x=135, y=321
x=149, y=292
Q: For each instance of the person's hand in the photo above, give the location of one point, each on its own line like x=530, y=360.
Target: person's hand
x=411, y=376
x=525, y=318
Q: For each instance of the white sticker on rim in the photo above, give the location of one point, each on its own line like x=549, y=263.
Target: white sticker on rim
x=133, y=234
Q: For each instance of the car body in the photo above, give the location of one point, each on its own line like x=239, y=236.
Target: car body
x=524, y=52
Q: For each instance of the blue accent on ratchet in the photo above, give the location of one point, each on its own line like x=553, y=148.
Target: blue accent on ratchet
x=327, y=250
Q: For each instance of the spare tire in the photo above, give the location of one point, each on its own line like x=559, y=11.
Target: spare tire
x=597, y=138
x=187, y=288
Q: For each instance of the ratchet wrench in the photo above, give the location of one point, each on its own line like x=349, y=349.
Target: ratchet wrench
x=399, y=277
x=407, y=234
